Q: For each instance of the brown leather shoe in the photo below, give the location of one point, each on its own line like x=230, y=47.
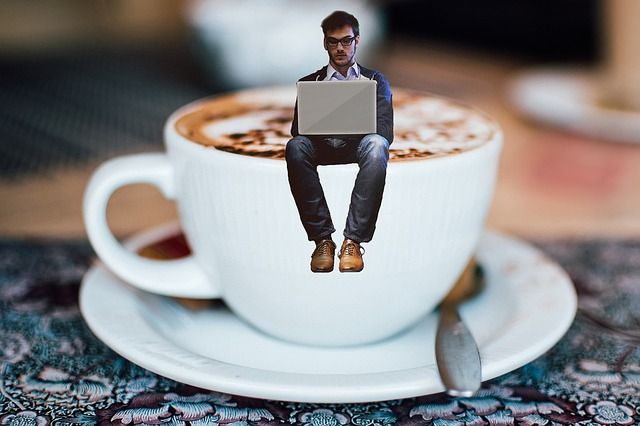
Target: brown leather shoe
x=322, y=256
x=351, y=256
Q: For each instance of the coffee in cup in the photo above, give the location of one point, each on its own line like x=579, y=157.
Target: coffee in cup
x=258, y=124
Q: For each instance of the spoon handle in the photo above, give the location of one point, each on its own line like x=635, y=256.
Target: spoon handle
x=457, y=354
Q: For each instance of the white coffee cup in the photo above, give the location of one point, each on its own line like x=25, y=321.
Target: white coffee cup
x=249, y=247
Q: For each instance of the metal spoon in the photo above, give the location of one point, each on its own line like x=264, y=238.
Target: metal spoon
x=457, y=353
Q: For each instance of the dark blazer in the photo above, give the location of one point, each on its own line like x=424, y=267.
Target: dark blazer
x=384, y=106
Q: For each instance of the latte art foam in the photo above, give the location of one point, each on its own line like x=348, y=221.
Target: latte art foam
x=258, y=123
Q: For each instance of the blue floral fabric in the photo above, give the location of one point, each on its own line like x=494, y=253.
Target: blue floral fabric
x=53, y=371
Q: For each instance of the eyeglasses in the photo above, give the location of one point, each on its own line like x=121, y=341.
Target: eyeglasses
x=333, y=42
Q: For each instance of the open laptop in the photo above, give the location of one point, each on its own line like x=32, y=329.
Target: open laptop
x=336, y=107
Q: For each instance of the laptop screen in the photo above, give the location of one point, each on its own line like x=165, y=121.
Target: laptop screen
x=336, y=107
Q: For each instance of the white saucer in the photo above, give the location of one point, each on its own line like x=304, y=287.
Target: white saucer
x=568, y=99
x=527, y=306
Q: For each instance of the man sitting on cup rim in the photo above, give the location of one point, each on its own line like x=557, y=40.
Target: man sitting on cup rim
x=371, y=152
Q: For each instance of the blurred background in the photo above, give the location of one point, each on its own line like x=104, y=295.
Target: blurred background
x=81, y=82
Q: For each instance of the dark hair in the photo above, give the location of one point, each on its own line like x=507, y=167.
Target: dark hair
x=339, y=19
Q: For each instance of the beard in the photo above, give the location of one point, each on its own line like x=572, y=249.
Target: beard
x=344, y=59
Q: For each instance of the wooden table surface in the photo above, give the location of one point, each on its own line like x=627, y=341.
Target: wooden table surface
x=550, y=184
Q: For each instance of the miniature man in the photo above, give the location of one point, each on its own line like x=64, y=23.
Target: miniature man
x=371, y=152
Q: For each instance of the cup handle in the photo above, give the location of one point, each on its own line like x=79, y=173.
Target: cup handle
x=179, y=277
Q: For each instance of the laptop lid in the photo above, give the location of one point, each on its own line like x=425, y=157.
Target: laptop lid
x=336, y=107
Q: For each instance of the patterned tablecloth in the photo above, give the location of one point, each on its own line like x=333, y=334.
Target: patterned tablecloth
x=55, y=372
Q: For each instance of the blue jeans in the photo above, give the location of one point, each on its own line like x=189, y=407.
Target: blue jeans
x=304, y=155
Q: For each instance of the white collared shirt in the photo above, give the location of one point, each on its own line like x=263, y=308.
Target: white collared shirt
x=353, y=73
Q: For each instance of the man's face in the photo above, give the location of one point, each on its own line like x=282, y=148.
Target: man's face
x=341, y=55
